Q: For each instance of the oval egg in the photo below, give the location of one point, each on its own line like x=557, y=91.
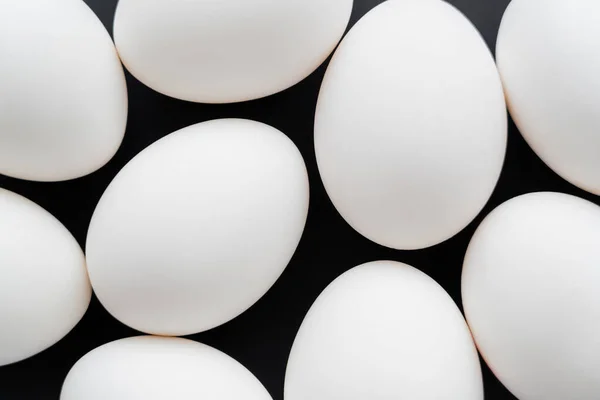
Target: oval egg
x=198, y=226
x=44, y=287
x=530, y=290
x=63, y=99
x=548, y=54
x=155, y=368
x=383, y=330
x=227, y=51
x=410, y=129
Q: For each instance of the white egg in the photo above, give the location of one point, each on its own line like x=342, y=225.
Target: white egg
x=382, y=331
x=63, y=99
x=548, y=55
x=155, y=368
x=531, y=293
x=410, y=130
x=44, y=287
x=227, y=51
x=197, y=227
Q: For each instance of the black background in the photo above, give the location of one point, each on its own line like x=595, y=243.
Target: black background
x=262, y=337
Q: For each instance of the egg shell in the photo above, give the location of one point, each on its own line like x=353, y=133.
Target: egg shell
x=381, y=331
x=227, y=51
x=155, y=368
x=44, y=287
x=548, y=55
x=198, y=226
x=63, y=99
x=531, y=294
x=410, y=129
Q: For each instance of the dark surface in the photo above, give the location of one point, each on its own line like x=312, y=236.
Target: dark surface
x=261, y=338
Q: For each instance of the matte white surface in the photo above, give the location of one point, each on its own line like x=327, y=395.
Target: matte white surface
x=154, y=368
x=197, y=227
x=44, y=287
x=228, y=50
x=382, y=331
x=531, y=293
x=410, y=130
x=548, y=54
x=63, y=99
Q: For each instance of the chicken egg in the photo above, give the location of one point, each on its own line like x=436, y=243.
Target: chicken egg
x=548, y=55
x=158, y=368
x=63, y=99
x=383, y=330
x=226, y=51
x=531, y=294
x=410, y=129
x=198, y=226
x=44, y=286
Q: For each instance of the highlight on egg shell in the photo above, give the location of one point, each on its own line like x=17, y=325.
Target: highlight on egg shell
x=383, y=330
x=158, y=368
x=44, y=287
x=548, y=54
x=227, y=51
x=63, y=98
x=411, y=125
x=530, y=290
x=198, y=226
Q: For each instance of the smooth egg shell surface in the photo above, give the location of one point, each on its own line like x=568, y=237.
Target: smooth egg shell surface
x=226, y=51
x=44, y=287
x=410, y=129
x=63, y=99
x=548, y=54
x=198, y=226
x=531, y=294
x=381, y=331
x=154, y=368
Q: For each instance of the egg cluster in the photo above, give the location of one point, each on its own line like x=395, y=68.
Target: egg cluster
x=410, y=136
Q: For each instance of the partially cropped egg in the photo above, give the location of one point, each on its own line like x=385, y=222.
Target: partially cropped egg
x=155, y=368
x=381, y=331
x=197, y=227
x=410, y=129
x=227, y=51
x=548, y=55
x=44, y=287
x=531, y=294
x=63, y=99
